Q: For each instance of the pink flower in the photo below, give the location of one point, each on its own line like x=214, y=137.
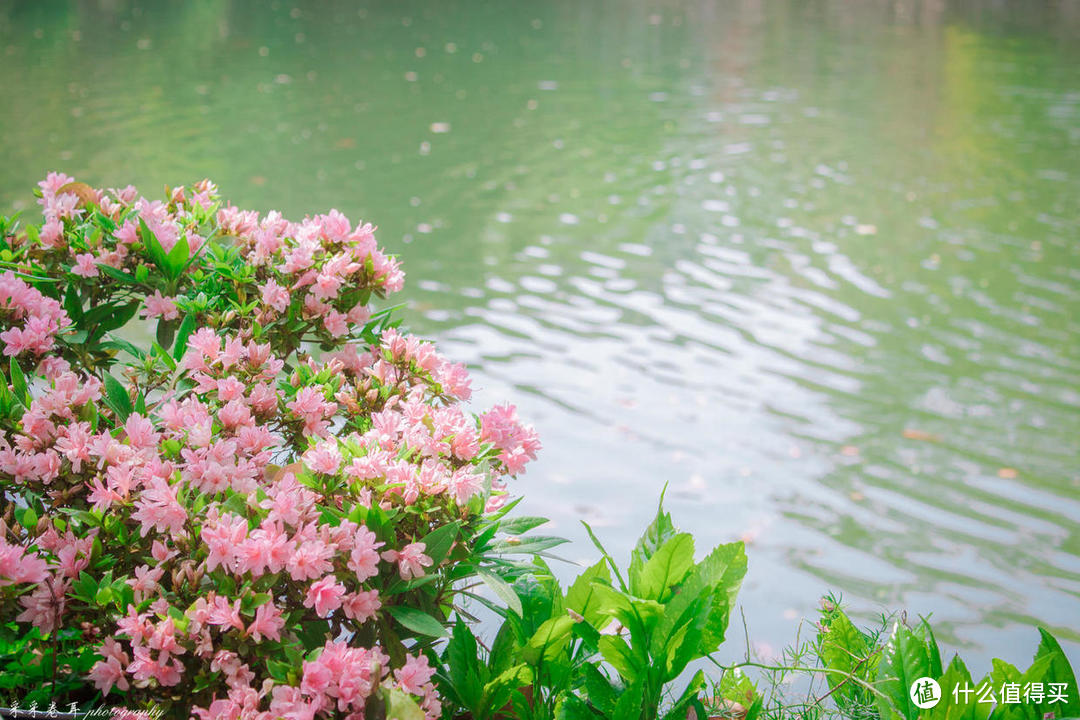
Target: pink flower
x=324, y=595
x=364, y=558
x=108, y=673
x=268, y=622
x=160, y=306
x=414, y=675
x=275, y=295
x=336, y=323
x=311, y=560
x=362, y=606
x=223, y=539
x=323, y=458
x=145, y=581
x=85, y=266
x=411, y=560
x=464, y=484
x=15, y=567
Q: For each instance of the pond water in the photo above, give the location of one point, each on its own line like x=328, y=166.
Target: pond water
x=815, y=266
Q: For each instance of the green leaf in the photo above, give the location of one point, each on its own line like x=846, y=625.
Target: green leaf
x=117, y=397
x=843, y=648
x=660, y=530
x=683, y=644
x=438, y=542
x=73, y=304
x=631, y=701
x=904, y=659
x=1059, y=671
x=116, y=343
x=962, y=706
x=677, y=711
x=401, y=706
x=153, y=248
x=18, y=383
x=28, y=518
x=598, y=689
x=166, y=329
x=619, y=655
x=417, y=621
x=501, y=588
x=116, y=319
x=463, y=666
x=176, y=260
x=550, y=639
x=521, y=525
x=724, y=569
x=665, y=568
x=313, y=633
x=187, y=327
x=581, y=597
x=117, y=274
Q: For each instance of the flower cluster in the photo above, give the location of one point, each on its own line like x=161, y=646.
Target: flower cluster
x=237, y=522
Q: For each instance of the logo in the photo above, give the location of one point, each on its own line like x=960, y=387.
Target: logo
x=925, y=693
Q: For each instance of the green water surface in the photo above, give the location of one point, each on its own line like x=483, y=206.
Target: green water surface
x=816, y=265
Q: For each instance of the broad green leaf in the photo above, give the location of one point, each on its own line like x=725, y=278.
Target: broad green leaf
x=1059, y=671
x=582, y=598
x=678, y=648
x=678, y=709
x=117, y=318
x=166, y=330
x=905, y=658
x=401, y=706
x=598, y=688
x=521, y=525
x=667, y=567
x=501, y=588
x=619, y=655
x=956, y=705
x=18, y=383
x=631, y=701
x=117, y=343
x=117, y=274
x=187, y=327
x=438, y=542
x=417, y=620
x=724, y=568
x=551, y=638
x=176, y=260
x=660, y=530
x=842, y=647
x=118, y=398
x=153, y=247
x=463, y=666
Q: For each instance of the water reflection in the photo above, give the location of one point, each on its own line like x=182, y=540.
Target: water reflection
x=814, y=265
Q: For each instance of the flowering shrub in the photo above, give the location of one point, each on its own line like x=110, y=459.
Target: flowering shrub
x=265, y=512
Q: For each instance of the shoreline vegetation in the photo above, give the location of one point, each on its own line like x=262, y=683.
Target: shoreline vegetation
x=280, y=507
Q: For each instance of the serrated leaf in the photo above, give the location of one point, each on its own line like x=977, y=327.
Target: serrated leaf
x=1059, y=671
x=904, y=659
x=843, y=648
x=667, y=567
x=582, y=598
